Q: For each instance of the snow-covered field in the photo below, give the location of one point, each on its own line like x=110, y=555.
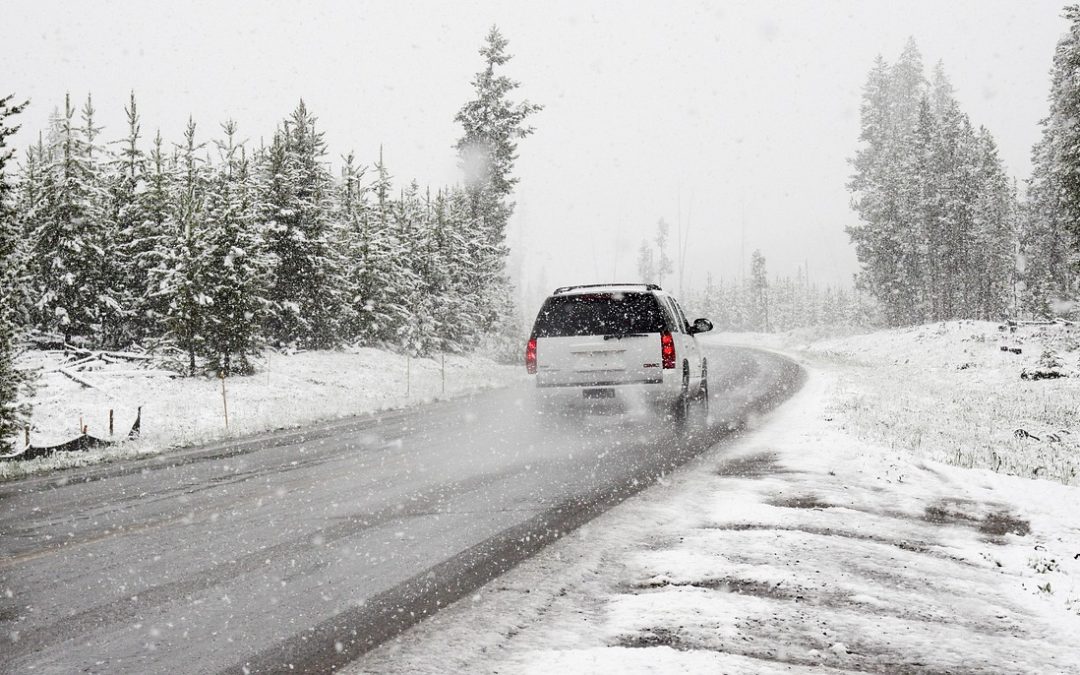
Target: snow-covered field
x=287, y=391
x=822, y=541
x=953, y=392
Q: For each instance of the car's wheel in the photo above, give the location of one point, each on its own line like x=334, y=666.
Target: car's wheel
x=703, y=399
x=683, y=403
x=703, y=393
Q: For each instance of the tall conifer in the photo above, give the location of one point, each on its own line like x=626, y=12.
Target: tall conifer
x=14, y=411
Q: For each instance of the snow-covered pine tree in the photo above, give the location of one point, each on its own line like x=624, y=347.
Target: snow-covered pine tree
x=993, y=273
x=29, y=210
x=1050, y=252
x=179, y=282
x=759, y=294
x=875, y=236
x=919, y=184
x=68, y=252
x=924, y=189
x=14, y=410
x=663, y=260
x=308, y=275
x=377, y=262
x=447, y=270
x=471, y=279
x=646, y=264
x=126, y=182
x=349, y=214
x=105, y=297
x=420, y=290
x=492, y=124
x=955, y=169
x=235, y=267
x=149, y=247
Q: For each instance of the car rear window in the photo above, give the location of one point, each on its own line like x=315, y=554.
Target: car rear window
x=599, y=314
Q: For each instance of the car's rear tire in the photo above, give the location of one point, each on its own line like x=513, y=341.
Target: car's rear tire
x=703, y=392
x=681, y=408
x=701, y=424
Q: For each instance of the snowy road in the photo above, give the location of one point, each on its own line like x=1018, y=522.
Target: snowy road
x=306, y=549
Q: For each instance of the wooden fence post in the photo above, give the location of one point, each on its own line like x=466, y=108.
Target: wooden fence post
x=442, y=365
x=224, y=400
x=110, y=421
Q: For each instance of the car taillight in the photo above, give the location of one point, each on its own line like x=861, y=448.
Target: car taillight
x=530, y=356
x=667, y=350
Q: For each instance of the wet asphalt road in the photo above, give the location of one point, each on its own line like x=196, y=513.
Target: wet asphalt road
x=302, y=550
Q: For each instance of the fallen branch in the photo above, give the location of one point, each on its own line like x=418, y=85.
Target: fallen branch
x=126, y=356
x=145, y=372
x=79, y=362
x=83, y=382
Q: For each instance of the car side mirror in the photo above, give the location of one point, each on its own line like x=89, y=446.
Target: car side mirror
x=701, y=326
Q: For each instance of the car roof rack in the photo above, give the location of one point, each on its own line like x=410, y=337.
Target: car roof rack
x=564, y=289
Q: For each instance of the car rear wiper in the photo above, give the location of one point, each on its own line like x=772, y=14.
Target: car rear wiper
x=619, y=336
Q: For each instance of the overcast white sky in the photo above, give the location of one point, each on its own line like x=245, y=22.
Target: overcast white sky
x=740, y=116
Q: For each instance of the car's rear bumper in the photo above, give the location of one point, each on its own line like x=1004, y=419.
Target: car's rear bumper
x=600, y=394
x=541, y=384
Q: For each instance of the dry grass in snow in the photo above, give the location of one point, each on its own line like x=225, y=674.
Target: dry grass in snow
x=951, y=393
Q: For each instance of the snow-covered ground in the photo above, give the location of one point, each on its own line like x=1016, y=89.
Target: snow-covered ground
x=821, y=541
x=954, y=392
x=287, y=391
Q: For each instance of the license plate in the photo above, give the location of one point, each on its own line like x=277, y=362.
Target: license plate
x=599, y=393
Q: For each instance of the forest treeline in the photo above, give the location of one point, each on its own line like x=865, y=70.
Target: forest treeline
x=780, y=303
x=206, y=249
x=942, y=232
x=214, y=247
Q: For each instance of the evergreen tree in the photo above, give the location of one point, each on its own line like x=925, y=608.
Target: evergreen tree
x=410, y=230
x=150, y=247
x=448, y=270
x=235, y=267
x=180, y=279
x=759, y=297
x=492, y=125
x=663, y=260
x=935, y=209
x=14, y=382
x=350, y=208
x=993, y=272
x=307, y=280
x=377, y=267
x=1051, y=230
x=126, y=183
x=105, y=291
x=68, y=248
x=29, y=211
x=877, y=237
x=646, y=264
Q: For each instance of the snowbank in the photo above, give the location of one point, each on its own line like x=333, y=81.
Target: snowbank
x=287, y=391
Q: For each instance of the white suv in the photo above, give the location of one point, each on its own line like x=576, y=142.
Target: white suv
x=618, y=341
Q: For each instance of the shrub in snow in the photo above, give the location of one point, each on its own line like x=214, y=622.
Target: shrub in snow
x=1048, y=368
